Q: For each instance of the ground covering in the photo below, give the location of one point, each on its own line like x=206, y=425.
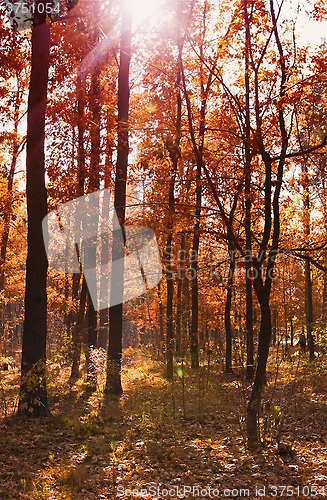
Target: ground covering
x=168, y=439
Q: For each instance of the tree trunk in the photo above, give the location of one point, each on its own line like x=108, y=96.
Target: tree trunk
x=308, y=281
x=161, y=321
x=228, y=306
x=253, y=408
x=104, y=313
x=292, y=332
x=169, y=311
x=324, y=303
x=91, y=378
x=174, y=154
x=8, y=213
x=309, y=309
x=113, y=383
x=75, y=373
x=181, y=277
x=33, y=367
x=194, y=281
x=249, y=325
x=94, y=185
x=247, y=222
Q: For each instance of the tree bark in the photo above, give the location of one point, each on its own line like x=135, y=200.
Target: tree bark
x=181, y=277
x=33, y=391
x=169, y=311
x=161, y=321
x=94, y=185
x=308, y=281
x=309, y=309
x=248, y=203
x=75, y=372
x=253, y=407
x=104, y=313
x=228, y=306
x=8, y=213
x=174, y=154
x=324, y=303
x=194, y=266
x=113, y=382
x=77, y=330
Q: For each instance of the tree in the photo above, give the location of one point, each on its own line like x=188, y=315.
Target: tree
x=33, y=391
x=113, y=381
x=268, y=161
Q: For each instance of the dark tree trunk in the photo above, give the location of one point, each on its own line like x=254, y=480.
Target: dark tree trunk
x=181, y=277
x=194, y=266
x=104, y=313
x=76, y=335
x=67, y=315
x=161, y=321
x=324, y=303
x=113, y=383
x=81, y=129
x=169, y=311
x=249, y=325
x=103, y=328
x=247, y=222
x=8, y=213
x=91, y=378
x=309, y=309
x=33, y=368
x=228, y=306
x=94, y=185
x=308, y=281
x=253, y=407
x=174, y=154
x=75, y=373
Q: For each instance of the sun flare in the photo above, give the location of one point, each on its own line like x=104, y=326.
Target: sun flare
x=144, y=10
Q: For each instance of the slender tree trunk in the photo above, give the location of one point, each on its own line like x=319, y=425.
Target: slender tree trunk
x=174, y=153
x=75, y=372
x=248, y=203
x=67, y=316
x=9, y=209
x=308, y=281
x=324, y=303
x=181, y=277
x=81, y=129
x=103, y=328
x=94, y=185
x=249, y=325
x=104, y=313
x=253, y=407
x=161, y=321
x=309, y=309
x=194, y=266
x=228, y=307
x=91, y=378
x=292, y=332
x=33, y=391
x=79, y=192
x=7, y=216
x=113, y=382
x=169, y=311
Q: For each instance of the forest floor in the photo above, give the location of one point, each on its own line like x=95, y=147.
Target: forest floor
x=180, y=439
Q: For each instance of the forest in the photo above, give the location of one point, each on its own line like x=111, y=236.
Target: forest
x=163, y=249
